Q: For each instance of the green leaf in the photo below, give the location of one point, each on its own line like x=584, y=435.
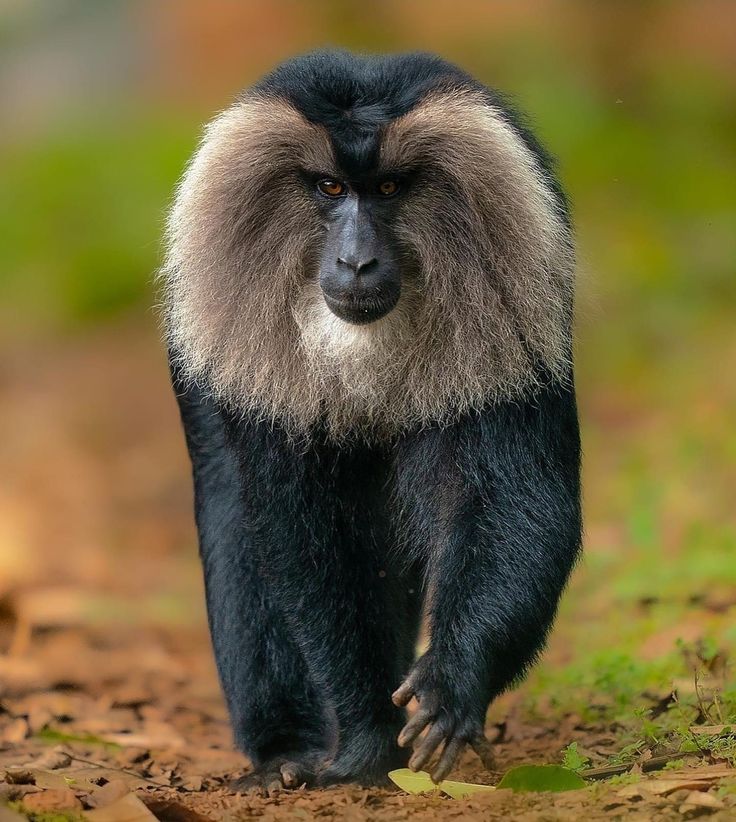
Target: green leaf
x=421, y=782
x=572, y=759
x=541, y=778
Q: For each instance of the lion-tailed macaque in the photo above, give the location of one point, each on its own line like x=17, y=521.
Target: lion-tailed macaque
x=368, y=308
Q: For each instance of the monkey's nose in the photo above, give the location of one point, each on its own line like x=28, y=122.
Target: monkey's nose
x=357, y=264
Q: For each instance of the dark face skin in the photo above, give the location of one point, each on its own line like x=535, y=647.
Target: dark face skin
x=360, y=272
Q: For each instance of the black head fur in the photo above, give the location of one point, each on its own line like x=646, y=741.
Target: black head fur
x=355, y=96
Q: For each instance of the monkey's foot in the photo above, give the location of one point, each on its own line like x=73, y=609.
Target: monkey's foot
x=286, y=772
x=365, y=761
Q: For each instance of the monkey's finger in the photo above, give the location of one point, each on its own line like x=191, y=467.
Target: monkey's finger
x=294, y=774
x=415, y=726
x=403, y=694
x=426, y=748
x=484, y=751
x=450, y=753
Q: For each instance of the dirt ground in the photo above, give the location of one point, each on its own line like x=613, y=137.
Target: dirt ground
x=92, y=714
x=109, y=701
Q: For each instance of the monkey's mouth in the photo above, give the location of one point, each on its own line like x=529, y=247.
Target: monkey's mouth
x=361, y=312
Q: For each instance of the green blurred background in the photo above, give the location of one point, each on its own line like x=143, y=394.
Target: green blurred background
x=101, y=104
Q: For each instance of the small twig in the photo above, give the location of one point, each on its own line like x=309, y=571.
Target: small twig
x=717, y=705
x=653, y=764
x=699, y=696
x=682, y=715
x=117, y=770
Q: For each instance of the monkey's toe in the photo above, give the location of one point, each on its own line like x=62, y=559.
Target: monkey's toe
x=287, y=772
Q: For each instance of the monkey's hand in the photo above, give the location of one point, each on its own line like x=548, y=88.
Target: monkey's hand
x=452, y=716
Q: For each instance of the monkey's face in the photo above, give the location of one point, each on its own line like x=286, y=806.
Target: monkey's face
x=359, y=273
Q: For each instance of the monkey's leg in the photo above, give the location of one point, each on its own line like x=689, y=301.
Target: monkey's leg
x=276, y=715
x=315, y=513
x=509, y=540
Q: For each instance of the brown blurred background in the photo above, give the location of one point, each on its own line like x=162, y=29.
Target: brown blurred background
x=101, y=104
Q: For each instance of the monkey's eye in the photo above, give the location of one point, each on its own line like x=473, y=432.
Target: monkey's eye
x=388, y=188
x=331, y=188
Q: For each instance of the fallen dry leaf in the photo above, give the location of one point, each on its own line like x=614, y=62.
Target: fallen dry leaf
x=630, y=792
x=174, y=811
x=51, y=607
x=662, y=787
x=164, y=737
x=50, y=779
x=91, y=779
x=54, y=799
x=704, y=772
x=16, y=731
x=9, y=815
x=193, y=783
x=38, y=719
x=20, y=673
x=109, y=793
x=52, y=760
x=696, y=799
x=126, y=809
x=20, y=776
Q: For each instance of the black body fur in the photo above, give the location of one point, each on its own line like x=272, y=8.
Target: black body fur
x=319, y=556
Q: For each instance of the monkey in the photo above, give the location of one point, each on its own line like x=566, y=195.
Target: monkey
x=367, y=300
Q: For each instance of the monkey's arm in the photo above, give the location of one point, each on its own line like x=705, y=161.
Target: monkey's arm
x=510, y=541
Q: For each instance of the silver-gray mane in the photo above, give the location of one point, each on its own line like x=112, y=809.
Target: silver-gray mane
x=490, y=307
